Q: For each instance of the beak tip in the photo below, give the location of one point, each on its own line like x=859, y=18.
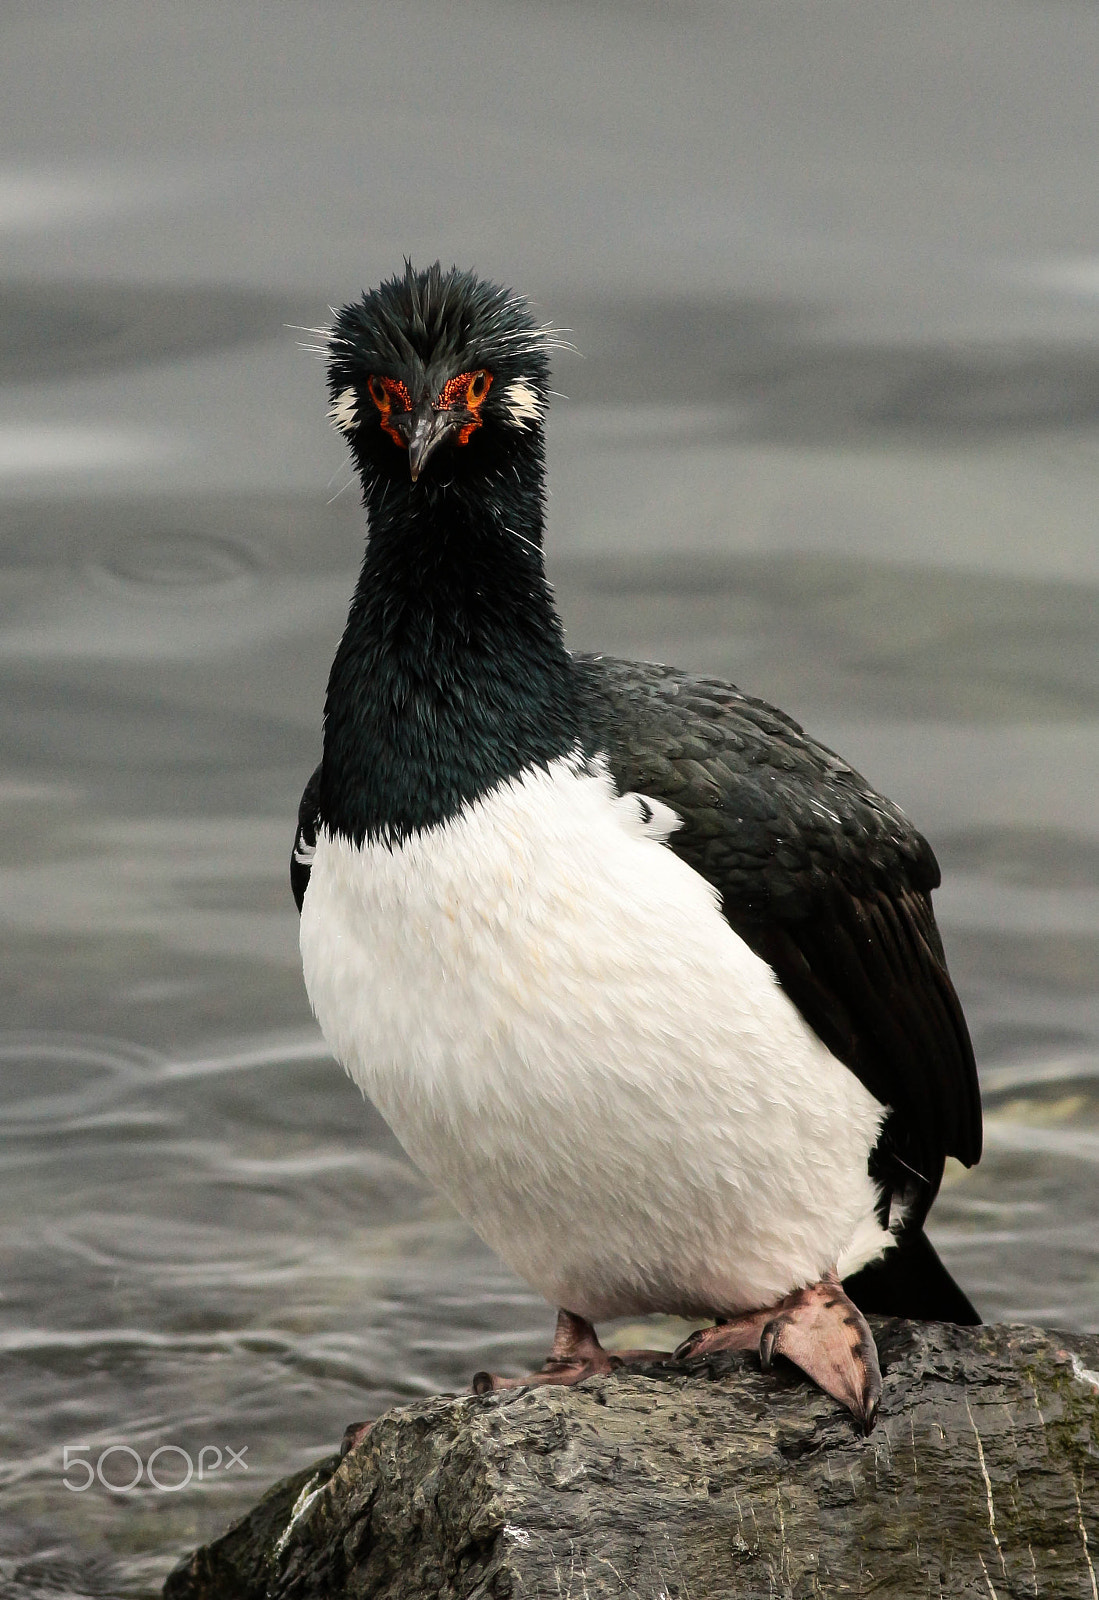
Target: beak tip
x=428, y=428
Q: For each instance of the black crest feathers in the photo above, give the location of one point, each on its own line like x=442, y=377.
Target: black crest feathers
x=427, y=325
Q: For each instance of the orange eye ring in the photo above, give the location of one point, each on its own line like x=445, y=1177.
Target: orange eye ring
x=388, y=394
x=466, y=392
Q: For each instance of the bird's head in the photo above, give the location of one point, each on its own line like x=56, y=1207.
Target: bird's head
x=438, y=379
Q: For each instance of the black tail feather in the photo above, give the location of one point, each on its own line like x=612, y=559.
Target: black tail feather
x=911, y=1281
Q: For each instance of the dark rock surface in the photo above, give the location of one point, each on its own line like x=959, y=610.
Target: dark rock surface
x=981, y=1478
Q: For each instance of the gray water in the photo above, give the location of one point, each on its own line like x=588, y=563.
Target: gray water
x=834, y=434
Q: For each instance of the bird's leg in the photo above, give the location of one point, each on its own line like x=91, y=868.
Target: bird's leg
x=576, y=1354
x=821, y=1331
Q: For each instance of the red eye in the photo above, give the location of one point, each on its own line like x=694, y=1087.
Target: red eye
x=478, y=387
x=378, y=394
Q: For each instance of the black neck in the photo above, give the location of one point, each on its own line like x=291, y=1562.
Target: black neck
x=452, y=673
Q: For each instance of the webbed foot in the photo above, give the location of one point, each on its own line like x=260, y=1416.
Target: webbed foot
x=576, y=1355
x=821, y=1331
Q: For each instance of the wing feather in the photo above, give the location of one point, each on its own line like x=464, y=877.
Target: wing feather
x=824, y=878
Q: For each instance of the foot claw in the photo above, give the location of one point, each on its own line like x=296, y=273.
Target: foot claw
x=731, y=1333
x=692, y=1345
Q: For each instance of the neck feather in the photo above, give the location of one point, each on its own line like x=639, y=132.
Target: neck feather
x=452, y=674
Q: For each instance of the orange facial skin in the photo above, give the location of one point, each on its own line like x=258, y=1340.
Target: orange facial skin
x=389, y=395
x=467, y=391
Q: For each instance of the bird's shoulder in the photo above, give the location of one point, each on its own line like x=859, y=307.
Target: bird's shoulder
x=769, y=814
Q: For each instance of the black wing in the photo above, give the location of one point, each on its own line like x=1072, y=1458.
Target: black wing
x=823, y=878
x=305, y=840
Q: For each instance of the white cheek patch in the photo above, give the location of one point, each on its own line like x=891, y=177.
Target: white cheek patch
x=344, y=411
x=522, y=402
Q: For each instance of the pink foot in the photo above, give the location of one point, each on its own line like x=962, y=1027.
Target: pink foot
x=576, y=1354
x=821, y=1331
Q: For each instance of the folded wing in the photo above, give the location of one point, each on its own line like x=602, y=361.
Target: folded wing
x=822, y=877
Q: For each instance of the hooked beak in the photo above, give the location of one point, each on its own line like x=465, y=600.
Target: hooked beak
x=424, y=429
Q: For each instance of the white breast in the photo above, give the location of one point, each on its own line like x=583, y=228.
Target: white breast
x=566, y=1035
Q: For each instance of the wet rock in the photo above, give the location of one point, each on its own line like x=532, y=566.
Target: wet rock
x=981, y=1478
